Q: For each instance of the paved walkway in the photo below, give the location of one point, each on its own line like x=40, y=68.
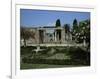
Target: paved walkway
x=49, y=45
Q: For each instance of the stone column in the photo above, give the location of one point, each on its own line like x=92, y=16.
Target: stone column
x=55, y=36
x=37, y=36
x=70, y=36
x=44, y=35
x=62, y=35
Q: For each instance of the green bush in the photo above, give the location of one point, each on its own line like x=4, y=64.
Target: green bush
x=79, y=55
x=53, y=61
x=47, y=61
x=27, y=49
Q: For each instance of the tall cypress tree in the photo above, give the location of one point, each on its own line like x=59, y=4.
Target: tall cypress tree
x=75, y=29
x=75, y=24
x=58, y=24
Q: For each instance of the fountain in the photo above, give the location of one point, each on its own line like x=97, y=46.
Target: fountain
x=38, y=49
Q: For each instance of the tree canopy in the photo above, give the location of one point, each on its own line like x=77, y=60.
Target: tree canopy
x=67, y=28
x=75, y=24
x=58, y=24
x=26, y=34
x=82, y=32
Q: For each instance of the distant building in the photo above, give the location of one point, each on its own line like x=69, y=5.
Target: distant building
x=46, y=35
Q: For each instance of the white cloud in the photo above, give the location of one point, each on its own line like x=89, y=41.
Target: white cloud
x=51, y=24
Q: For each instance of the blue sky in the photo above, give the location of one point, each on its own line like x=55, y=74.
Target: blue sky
x=33, y=18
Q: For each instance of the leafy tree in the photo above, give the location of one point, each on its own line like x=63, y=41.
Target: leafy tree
x=85, y=31
x=67, y=28
x=81, y=32
x=26, y=34
x=67, y=31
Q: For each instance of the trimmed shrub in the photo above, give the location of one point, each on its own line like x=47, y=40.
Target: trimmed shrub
x=80, y=56
x=47, y=61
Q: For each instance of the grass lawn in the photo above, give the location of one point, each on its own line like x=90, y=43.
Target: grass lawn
x=54, y=57
x=35, y=66
x=40, y=66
